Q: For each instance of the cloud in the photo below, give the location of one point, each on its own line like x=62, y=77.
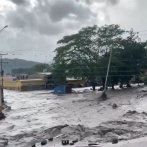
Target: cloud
x=20, y=2
x=112, y=2
x=49, y=17
x=33, y=21
x=36, y=28
x=108, y=2
x=63, y=8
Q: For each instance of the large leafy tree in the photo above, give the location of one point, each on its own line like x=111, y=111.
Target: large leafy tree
x=131, y=58
x=85, y=53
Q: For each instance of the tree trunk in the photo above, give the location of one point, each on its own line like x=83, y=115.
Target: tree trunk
x=103, y=82
x=128, y=85
x=121, y=85
x=113, y=87
x=93, y=85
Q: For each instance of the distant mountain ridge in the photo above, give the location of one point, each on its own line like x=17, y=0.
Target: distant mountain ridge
x=17, y=63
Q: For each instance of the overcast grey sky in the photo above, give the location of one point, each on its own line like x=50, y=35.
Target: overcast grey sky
x=36, y=25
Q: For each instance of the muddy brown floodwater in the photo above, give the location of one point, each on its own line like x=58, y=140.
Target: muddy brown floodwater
x=40, y=114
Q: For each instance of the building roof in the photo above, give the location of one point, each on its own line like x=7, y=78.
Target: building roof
x=31, y=80
x=72, y=79
x=44, y=73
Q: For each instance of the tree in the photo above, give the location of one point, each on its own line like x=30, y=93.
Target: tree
x=34, y=69
x=86, y=54
x=110, y=37
x=83, y=53
x=131, y=58
x=41, y=67
x=78, y=54
x=59, y=73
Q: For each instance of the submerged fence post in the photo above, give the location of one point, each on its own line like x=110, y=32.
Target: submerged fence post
x=0, y=96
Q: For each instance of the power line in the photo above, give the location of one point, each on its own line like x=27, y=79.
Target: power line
x=121, y=73
x=50, y=54
x=142, y=31
x=132, y=71
x=105, y=76
x=111, y=72
x=138, y=59
x=100, y=67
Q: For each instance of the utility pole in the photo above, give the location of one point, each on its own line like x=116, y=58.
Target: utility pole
x=1, y=89
x=104, y=95
x=108, y=70
x=2, y=73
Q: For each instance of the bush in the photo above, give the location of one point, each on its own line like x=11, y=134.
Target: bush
x=2, y=116
x=144, y=79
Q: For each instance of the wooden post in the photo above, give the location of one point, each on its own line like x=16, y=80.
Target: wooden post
x=2, y=72
x=0, y=96
x=1, y=104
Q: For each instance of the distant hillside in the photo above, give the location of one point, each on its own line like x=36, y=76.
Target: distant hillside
x=17, y=63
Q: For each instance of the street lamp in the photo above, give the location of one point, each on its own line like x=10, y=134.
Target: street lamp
x=2, y=97
x=3, y=28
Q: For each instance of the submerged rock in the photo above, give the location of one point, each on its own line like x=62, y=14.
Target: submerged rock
x=44, y=142
x=114, y=141
x=114, y=106
x=2, y=116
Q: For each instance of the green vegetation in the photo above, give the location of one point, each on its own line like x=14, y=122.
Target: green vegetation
x=86, y=55
x=34, y=69
x=17, y=63
x=144, y=79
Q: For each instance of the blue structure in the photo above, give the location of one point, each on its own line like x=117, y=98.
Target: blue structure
x=60, y=89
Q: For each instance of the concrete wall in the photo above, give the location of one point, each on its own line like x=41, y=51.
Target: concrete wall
x=14, y=85
x=24, y=85
x=32, y=88
x=32, y=82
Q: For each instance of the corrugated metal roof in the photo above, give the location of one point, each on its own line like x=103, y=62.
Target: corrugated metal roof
x=31, y=80
x=45, y=73
x=72, y=79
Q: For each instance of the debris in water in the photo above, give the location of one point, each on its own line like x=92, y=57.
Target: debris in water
x=114, y=141
x=3, y=143
x=74, y=141
x=44, y=142
x=50, y=139
x=114, y=106
x=71, y=143
x=2, y=116
x=65, y=142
